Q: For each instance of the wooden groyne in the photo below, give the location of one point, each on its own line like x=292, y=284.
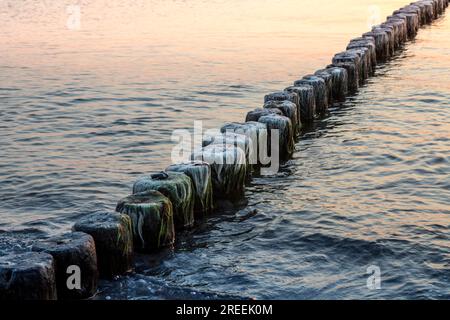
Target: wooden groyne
x=162, y=204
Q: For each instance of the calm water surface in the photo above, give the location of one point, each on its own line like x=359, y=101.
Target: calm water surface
x=85, y=112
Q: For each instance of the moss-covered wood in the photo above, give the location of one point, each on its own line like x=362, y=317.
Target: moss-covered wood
x=307, y=102
x=228, y=170
x=390, y=38
x=381, y=43
x=254, y=115
x=151, y=215
x=27, y=276
x=370, y=45
x=340, y=83
x=320, y=91
x=286, y=136
x=289, y=110
x=240, y=141
x=257, y=133
x=178, y=188
x=113, y=241
x=328, y=78
x=283, y=96
x=200, y=174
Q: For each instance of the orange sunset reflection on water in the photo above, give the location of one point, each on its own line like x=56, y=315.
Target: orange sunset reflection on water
x=242, y=39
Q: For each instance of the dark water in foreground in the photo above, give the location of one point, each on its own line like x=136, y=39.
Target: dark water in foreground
x=368, y=185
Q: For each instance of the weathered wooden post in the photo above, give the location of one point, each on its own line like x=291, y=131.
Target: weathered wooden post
x=412, y=20
x=423, y=11
x=352, y=74
x=328, y=78
x=401, y=23
x=393, y=36
x=307, y=102
x=320, y=91
x=289, y=109
x=68, y=250
x=354, y=59
x=151, y=215
x=254, y=115
x=257, y=133
x=282, y=96
x=175, y=186
x=240, y=141
x=366, y=63
x=286, y=136
x=430, y=14
x=340, y=83
x=228, y=170
x=390, y=48
x=370, y=45
x=381, y=43
x=200, y=174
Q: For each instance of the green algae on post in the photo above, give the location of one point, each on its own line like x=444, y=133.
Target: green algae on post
x=381, y=43
x=178, y=188
x=286, y=135
x=412, y=20
x=328, y=78
x=255, y=131
x=320, y=91
x=113, y=241
x=254, y=115
x=351, y=57
x=282, y=96
x=200, y=174
x=340, y=83
x=428, y=11
x=370, y=46
x=151, y=215
x=352, y=73
x=74, y=248
x=240, y=141
x=389, y=31
x=289, y=110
